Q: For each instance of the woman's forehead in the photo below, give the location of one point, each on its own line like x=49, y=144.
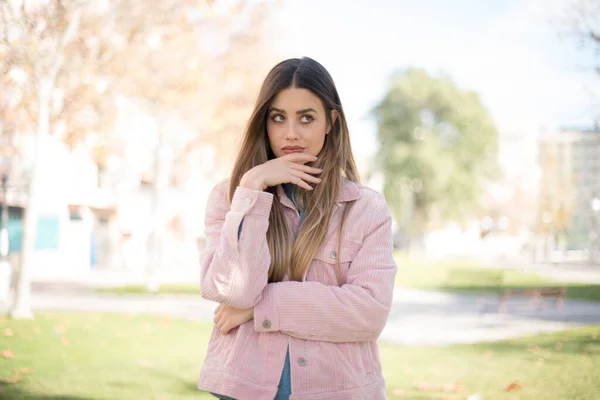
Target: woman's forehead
x=294, y=99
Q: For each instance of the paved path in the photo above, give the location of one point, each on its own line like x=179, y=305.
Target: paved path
x=417, y=317
x=440, y=318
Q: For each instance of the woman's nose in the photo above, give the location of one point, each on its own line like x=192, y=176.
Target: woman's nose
x=292, y=132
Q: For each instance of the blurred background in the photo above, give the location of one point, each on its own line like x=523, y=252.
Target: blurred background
x=478, y=120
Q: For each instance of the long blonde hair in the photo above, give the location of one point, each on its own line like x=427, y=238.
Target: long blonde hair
x=336, y=160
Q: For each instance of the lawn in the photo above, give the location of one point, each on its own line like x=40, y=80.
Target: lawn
x=468, y=276
x=453, y=275
x=75, y=356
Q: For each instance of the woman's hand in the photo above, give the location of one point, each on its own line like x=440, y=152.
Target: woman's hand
x=286, y=169
x=228, y=318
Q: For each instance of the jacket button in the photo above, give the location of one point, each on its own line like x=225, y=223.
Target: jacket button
x=267, y=324
x=333, y=255
x=248, y=200
x=302, y=361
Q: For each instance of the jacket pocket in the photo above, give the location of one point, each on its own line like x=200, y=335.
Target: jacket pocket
x=323, y=268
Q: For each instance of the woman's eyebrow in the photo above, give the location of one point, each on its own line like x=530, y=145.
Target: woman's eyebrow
x=303, y=111
x=306, y=110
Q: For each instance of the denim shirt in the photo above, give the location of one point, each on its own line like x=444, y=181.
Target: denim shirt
x=285, y=385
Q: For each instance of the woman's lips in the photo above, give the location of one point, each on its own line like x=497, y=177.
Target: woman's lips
x=292, y=149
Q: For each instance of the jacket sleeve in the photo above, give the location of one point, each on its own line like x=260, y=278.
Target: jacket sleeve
x=235, y=262
x=356, y=311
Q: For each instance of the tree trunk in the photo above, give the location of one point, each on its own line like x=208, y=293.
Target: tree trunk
x=21, y=308
x=162, y=164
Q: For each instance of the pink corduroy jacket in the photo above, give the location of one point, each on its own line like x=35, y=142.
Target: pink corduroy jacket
x=331, y=330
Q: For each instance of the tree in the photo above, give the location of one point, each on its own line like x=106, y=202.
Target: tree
x=581, y=19
x=555, y=200
x=179, y=74
x=34, y=38
x=73, y=58
x=437, y=147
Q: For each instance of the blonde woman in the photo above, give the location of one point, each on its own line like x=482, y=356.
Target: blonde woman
x=299, y=254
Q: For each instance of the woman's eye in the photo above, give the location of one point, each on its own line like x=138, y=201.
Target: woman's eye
x=306, y=118
x=277, y=118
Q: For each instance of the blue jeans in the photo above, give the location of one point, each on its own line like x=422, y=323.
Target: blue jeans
x=285, y=383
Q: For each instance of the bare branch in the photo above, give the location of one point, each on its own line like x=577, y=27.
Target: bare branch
x=66, y=37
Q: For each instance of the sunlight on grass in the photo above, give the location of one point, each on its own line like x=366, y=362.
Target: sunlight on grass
x=132, y=357
x=468, y=276
x=562, y=365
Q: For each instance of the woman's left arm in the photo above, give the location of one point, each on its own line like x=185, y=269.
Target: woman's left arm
x=354, y=312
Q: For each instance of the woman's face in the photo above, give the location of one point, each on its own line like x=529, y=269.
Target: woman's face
x=296, y=122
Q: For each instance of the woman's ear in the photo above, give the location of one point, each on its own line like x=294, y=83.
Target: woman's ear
x=334, y=116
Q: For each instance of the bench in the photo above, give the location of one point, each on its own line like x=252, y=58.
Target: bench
x=535, y=295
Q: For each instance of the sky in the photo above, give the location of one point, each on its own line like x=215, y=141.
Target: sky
x=508, y=51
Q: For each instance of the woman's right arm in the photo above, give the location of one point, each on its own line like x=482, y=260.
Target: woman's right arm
x=235, y=271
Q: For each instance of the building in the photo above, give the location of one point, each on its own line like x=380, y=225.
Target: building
x=94, y=216
x=569, y=197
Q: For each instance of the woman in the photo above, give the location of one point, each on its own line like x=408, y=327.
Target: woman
x=299, y=255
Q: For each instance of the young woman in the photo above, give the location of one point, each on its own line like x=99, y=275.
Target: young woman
x=299, y=254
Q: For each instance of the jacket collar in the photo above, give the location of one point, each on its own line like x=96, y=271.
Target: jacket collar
x=348, y=192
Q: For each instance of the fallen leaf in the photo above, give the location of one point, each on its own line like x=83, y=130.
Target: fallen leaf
x=594, y=337
x=7, y=354
x=59, y=329
x=397, y=392
x=13, y=379
x=64, y=340
x=558, y=346
x=540, y=361
x=24, y=371
x=7, y=332
x=144, y=363
x=513, y=386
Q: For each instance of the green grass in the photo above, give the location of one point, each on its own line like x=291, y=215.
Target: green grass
x=83, y=356
x=468, y=276
x=564, y=365
x=102, y=356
